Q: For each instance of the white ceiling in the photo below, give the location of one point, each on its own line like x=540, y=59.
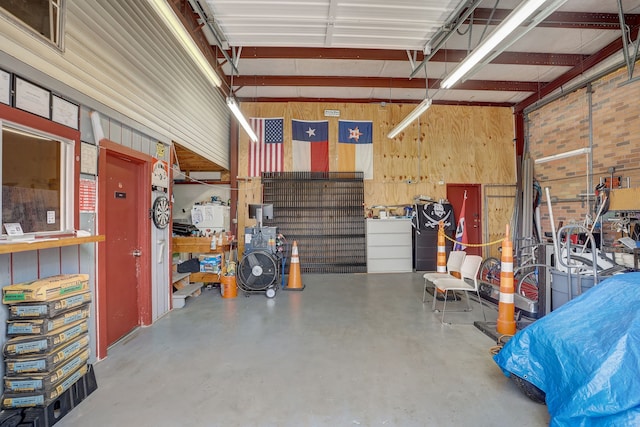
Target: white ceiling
x=375, y=38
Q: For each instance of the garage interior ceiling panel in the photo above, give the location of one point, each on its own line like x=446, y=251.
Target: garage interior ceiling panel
x=338, y=39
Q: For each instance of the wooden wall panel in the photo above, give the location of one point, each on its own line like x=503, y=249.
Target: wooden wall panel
x=454, y=144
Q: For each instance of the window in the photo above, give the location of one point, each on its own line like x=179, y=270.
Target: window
x=37, y=184
x=45, y=17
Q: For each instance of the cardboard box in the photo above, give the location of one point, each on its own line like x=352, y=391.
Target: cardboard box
x=47, y=362
x=45, y=289
x=42, y=326
x=43, y=344
x=48, y=309
x=210, y=263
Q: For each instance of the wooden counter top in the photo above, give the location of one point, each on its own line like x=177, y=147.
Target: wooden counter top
x=47, y=243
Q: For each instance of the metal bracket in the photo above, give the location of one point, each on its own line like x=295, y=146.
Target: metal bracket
x=626, y=35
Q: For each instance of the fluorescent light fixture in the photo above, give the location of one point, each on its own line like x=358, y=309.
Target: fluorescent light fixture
x=563, y=155
x=421, y=108
x=233, y=106
x=163, y=9
x=511, y=22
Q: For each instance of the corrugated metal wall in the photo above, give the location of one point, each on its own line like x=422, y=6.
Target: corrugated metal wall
x=121, y=55
x=118, y=60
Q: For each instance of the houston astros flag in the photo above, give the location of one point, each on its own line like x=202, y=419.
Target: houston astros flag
x=310, y=142
x=267, y=154
x=355, y=147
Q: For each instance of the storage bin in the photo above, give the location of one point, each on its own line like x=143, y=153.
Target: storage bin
x=580, y=283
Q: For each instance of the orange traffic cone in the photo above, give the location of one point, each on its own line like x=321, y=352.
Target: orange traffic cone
x=295, y=281
x=441, y=261
x=506, y=309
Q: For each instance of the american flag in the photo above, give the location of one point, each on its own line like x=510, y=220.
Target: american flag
x=266, y=155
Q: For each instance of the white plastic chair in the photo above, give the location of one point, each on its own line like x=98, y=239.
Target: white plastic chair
x=454, y=263
x=468, y=283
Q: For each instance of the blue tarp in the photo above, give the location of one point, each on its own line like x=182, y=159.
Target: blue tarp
x=585, y=356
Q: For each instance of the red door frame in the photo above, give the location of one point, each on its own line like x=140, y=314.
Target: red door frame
x=144, y=237
x=477, y=189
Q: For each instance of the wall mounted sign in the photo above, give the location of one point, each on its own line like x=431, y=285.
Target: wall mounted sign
x=87, y=195
x=64, y=112
x=159, y=175
x=32, y=98
x=160, y=150
x=332, y=113
x=5, y=87
x=88, y=158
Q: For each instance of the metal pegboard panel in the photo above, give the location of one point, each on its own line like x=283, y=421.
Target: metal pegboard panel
x=323, y=213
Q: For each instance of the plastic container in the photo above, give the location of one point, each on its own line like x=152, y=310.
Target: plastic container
x=228, y=287
x=580, y=283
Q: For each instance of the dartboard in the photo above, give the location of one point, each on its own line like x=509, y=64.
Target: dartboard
x=161, y=212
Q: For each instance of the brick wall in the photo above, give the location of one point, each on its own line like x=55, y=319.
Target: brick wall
x=563, y=126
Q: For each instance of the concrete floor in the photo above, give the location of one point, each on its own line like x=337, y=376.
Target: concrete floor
x=350, y=350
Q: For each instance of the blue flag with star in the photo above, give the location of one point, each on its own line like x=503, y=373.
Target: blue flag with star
x=355, y=147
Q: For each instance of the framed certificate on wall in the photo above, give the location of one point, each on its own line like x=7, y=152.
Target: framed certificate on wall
x=64, y=112
x=32, y=98
x=5, y=87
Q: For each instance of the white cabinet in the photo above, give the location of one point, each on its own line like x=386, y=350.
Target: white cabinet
x=389, y=246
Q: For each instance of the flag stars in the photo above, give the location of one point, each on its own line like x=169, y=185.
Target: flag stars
x=310, y=132
x=355, y=134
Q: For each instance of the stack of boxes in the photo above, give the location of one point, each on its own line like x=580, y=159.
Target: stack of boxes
x=47, y=347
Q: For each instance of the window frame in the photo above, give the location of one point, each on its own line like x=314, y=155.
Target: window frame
x=68, y=196
x=56, y=26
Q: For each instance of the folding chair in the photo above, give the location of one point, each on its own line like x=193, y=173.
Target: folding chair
x=468, y=283
x=454, y=263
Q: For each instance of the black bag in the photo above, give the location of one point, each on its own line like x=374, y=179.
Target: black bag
x=189, y=266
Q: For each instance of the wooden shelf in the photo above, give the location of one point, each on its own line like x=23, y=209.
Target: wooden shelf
x=47, y=243
x=205, y=277
x=200, y=245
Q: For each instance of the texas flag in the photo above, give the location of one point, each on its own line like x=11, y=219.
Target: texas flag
x=310, y=143
x=355, y=147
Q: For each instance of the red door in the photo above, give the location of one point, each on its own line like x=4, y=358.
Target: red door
x=473, y=220
x=122, y=245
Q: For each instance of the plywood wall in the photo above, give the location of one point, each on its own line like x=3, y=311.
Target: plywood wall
x=449, y=144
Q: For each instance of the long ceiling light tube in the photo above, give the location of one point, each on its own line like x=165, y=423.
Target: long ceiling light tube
x=180, y=32
x=420, y=108
x=502, y=31
x=235, y=109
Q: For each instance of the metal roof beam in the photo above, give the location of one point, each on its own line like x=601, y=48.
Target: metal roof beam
x=382, y=101
x=547, y=88
x=443, y=55
x=576, y=20
x=384, y=82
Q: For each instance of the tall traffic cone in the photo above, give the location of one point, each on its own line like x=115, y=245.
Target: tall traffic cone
x=441, y=261
x=295, y=281
x=441, y=257
x=506, y=309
